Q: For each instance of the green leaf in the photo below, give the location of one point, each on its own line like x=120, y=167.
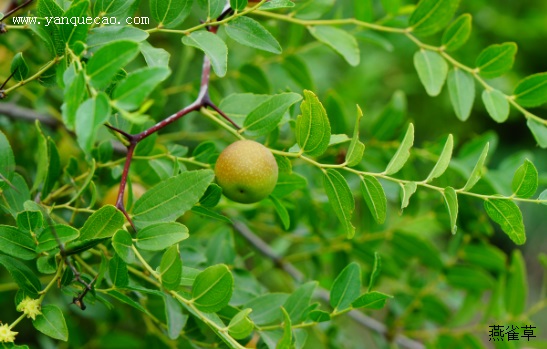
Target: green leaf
x=22, y=275
x=275, y=4
x=485, y=256
x=171, y=268
x=169, y=199
x=125, y=299
x=75, y=91
x=14, y=242
x=212, y=289
x=73, y=33
x=122, y=242
x=539, y=131
x=543, y=197
x=356, y=147
x=286, y=339
x=213, y=46
x=266, y=116
x=117, y=270
x=176, y=319
x=403, y=152
x=154, y=57
x=444, y=160
x=461, y=87
x=340, y=198
x=170, y=13
x=297, y=68
x=312, y=9
x=50, y=9
x=470, y=278
x=432, y=70
x=44, y=33
x=7, y=161
x=478, y=170
x=48, y=238
x=451, y=200
x=207, y=212
x=516, y=291
x=312, y=126
x=495, y=60
x=496, y=105
x=30, y=221
x=131, y=92
x=19, y=63
x=525, y=180
x=108, y=60
x=376, y=268
x=115, y=8
x=408, y=190
x=371, y=300
x=346, y=287
x=375, y=197
x=287, y=183
x=238, y=5
x=507, y=214
x=339, y=40
x=159, y=236
x=457, y=33
x=408, y=246
x=241, y=326
x=212, y=7
x=298, y=302
x=281, y=212
x=212, y=195
x=52, y=322
x=266, y=308
x=319, y=316
x=431, y=16
x=239, y=105
x=14, y=198
x=99, y=36
x=253, y=78
x=90, y=116
x=53, y=168
x=532, y=90
x=221, y=248
x=103, y=223
x=391, y=6
x=42, y=158
x=249, y=32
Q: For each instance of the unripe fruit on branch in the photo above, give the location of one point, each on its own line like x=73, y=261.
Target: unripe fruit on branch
x=111, y=195
x=246, y=171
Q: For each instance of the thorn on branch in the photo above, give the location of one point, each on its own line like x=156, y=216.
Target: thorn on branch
x=202, y=101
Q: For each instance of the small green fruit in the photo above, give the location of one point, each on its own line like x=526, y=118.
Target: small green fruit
x=246, y=171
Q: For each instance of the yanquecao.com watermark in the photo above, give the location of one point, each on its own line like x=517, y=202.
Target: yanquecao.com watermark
x=75, y=21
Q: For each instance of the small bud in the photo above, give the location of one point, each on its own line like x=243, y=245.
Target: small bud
x=30, y=307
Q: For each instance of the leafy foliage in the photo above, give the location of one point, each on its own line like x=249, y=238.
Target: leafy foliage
x=174, y=263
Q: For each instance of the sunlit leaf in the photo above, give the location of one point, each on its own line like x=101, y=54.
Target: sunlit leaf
x=461, y=87
x=507, y=214
x=457, y=33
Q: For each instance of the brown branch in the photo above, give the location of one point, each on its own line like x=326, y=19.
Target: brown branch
x=15, y=112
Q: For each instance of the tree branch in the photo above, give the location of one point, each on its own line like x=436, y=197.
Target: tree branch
x=323, y=294
x=16, y=112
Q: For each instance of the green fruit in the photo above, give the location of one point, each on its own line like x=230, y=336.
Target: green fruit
x=246, y=171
